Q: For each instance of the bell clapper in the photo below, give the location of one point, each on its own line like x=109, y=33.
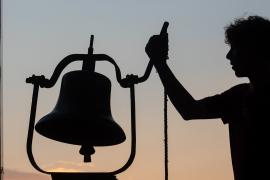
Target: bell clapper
x=87, y=151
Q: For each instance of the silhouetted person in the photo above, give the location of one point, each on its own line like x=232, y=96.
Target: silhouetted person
x=245, y=107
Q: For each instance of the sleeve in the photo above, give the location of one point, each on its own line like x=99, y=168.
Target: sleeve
x=227, y=104
x=216, y=105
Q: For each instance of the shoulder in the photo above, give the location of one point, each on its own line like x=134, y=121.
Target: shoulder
x=237, y=90
x=240, y=87
x=232, y=102
x=227, y=96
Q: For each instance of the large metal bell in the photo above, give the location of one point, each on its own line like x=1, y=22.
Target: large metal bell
x=82, y=115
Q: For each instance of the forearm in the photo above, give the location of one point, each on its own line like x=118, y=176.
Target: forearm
x=181, y=99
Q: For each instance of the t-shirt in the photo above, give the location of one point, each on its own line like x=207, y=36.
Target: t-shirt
x=247, y=114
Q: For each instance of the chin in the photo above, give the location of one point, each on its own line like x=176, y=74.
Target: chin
x=239, y=74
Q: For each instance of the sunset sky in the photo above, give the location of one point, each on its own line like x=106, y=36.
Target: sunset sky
x=38, y=34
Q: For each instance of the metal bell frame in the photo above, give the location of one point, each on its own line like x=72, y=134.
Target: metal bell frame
x=89, y=61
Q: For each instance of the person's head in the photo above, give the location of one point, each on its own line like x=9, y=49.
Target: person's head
x=249, y=39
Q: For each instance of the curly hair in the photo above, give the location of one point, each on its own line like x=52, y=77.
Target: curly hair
x=253, y=32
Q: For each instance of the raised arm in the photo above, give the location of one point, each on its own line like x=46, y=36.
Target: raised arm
x=186, y=105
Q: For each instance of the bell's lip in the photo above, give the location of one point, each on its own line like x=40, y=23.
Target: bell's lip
x=71, y=129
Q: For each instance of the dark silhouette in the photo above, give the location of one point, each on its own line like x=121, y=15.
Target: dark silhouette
x=245, y=107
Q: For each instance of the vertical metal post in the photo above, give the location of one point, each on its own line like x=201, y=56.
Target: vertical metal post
x=31, y=128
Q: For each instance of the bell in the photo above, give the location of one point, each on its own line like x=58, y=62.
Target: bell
x=82, y=115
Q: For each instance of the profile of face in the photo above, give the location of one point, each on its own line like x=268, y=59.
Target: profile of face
x=242, y=61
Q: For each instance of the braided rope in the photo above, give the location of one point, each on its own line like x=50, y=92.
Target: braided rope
x=166, y=135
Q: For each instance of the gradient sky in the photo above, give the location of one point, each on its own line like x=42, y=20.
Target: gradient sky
x=38, y=34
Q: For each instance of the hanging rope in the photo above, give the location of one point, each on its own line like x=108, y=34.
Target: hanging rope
x=166, y=135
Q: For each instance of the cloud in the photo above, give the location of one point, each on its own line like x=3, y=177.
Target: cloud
x=61, y=166
x=18, y=175
x=65, y=166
